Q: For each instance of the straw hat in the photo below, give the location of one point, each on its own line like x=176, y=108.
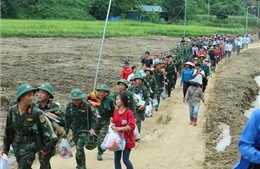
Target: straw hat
x=189, y=63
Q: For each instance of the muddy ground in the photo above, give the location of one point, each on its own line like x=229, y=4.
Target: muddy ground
x=234, y=91
x=168, y=139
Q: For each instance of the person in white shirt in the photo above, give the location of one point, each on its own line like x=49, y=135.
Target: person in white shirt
x=238, y=46
x=247, y=41
x=229, y=47
x=142, y=71
x=134, y=70
x=198, y=71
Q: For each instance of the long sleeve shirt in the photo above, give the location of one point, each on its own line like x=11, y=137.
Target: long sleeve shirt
x=194, y=95
x=195, y=50
x=186, y=75
x=229, y=47
x=249, y=142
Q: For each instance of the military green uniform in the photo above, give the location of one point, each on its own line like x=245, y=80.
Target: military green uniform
x=80, y=120
x=171, y=72
x=160, y=80
x=140, y=90
x=106, y=110
x=19, y=132
x=152, y=83
x=45, y=160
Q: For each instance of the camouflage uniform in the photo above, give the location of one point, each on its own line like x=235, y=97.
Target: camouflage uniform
x=160, y=80
x=45, y=160
x=106, y=110
x=140, y=114
x=171, y=72
x=80, y=120
x=152, y=83
x=19, y=131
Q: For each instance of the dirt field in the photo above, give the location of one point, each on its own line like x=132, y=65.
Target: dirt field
x=168, y=141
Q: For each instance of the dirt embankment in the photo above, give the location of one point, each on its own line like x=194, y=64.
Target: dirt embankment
x=233, y=92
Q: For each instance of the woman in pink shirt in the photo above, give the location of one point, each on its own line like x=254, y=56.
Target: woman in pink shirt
x=195, y=50
x=123, y=121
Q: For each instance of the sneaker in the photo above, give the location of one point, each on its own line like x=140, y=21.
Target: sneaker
x=99, y=157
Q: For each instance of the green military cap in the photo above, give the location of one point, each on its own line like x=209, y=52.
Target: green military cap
x=149, y=69
x=132, y=78
x=138, y=76
x=46, y=87
x=24, y=88
x=91, y=142
x=103, y=87
x=157, y=63
x=76, y=94
x=123, y=81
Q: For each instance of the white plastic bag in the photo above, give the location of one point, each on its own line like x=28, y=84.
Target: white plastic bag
x=4, y=162
x=65, y=150
x=149, y=109
x=114, y=141
x=136, y=133
x=163, y=94
x=155, y=102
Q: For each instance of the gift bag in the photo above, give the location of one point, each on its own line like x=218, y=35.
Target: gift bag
x=114, y=141
x=136, y=133
x=65, y=150
x=4, y=162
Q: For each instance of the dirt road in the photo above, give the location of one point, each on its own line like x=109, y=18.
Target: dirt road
x=167, y=139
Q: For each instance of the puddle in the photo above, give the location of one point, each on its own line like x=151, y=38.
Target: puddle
x=256, y=103
x=225, y=137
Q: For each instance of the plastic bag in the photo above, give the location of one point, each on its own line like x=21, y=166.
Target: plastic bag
x=155, y=102
x=4, y=162
x=114, y=141
x=148, y=110
x=136, y=133
x=65, y=150
x=163, y=94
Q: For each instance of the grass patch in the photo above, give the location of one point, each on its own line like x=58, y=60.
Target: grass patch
x=93, y=29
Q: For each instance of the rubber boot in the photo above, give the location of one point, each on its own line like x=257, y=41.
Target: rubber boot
x=195, y=121
x=99, y=157
x=191, y=120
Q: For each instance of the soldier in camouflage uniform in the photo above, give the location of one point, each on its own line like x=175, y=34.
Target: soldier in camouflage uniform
x=81, y=119
x=19, y=132
x=151, y=81
x=171, y=72
x=123, y=85
x=45, y=93
x=140, y=89
x=160, y=80
x=106, y=110
x=176, y=64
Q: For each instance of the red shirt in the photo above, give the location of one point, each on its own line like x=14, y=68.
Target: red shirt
x=126, y=119
x=217, y=52
x=126, y=73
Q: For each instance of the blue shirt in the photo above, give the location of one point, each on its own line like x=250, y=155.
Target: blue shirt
x=186, y=75
x=249, y=141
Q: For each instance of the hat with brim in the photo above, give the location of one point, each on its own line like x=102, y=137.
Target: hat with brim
x=195, y=58
x=149, y=69
x=202, y=55
x=48, y=88
x=189, y=63
x=138, y=76
x=76, y=94
x=24, y=88
x=157, y=63
x=196, y=80
x=103, y=87
x=123, y=81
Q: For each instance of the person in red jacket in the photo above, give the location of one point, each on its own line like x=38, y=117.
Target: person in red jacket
x=123, y=121
x=126, y=70
x=217, y=54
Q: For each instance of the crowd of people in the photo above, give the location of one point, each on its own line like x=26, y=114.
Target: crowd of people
x=36, y=126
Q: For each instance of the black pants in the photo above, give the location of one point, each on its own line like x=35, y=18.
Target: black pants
x=254, y=166
x=174, y=80
x=170, y=81
x=204, y=84
x=186, y=85
x=229, y=54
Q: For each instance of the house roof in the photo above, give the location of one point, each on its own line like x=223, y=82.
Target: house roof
x=150, y=8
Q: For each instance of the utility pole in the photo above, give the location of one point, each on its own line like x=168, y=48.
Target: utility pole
x=247, y=19
x=185, y=14
x=208, y=9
